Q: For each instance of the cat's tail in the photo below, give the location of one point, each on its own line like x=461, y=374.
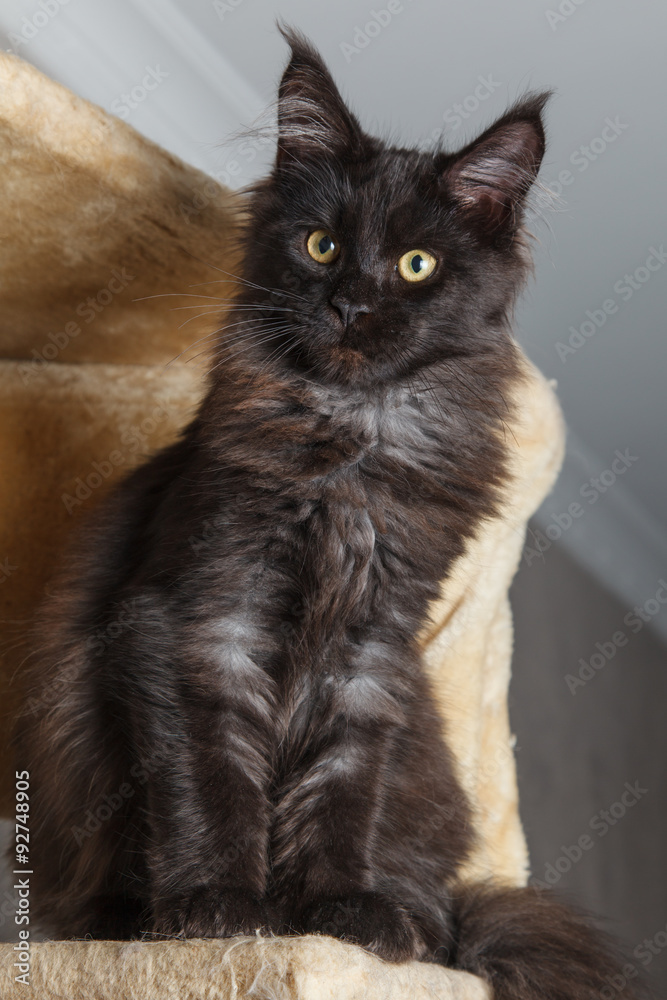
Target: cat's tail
x=530, y=946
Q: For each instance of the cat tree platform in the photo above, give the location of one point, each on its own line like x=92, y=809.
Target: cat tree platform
x=94, y=219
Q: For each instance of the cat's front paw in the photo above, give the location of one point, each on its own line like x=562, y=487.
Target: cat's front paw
x=368, y=919
x=206, y=911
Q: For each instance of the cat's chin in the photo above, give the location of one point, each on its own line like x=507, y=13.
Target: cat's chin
x=349, y=365
x=348, y=368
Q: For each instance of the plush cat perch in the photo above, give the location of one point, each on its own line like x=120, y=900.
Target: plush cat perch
x=94, y=219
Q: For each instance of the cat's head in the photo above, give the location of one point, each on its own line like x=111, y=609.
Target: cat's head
x=390, y=259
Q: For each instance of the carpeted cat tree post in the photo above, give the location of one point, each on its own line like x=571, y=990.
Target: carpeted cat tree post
x=97, y=225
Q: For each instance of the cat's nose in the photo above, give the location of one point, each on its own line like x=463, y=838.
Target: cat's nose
x=348, y=311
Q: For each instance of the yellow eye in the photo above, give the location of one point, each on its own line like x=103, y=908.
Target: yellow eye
x=416, y=265
x=322, y=247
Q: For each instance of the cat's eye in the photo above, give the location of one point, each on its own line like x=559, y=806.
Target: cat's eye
x=322, y=247
x=416, y=265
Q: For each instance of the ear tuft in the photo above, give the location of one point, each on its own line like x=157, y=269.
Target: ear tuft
x=491, y=177
x=312, y=116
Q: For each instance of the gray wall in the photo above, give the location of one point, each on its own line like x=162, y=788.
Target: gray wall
x=579, y=745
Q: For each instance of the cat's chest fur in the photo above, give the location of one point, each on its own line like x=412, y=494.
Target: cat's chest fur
x=339, y=514
x=397, y=429
x=371, y=527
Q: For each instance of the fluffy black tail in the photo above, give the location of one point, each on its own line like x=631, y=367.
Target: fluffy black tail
x=530, y=946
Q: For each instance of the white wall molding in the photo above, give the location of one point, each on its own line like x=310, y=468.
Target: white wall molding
x=616, y=539
x=100, y=50
x=241, y=102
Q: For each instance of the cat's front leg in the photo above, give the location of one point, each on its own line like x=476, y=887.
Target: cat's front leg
x=209, y=824
x=326, y=823
x=206, y=747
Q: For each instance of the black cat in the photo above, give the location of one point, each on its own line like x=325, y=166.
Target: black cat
x=244, y=734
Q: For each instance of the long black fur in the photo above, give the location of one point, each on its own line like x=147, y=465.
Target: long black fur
x=242, y=733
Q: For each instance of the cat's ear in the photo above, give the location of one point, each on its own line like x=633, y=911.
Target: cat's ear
x=491, y=177
x=312, y=116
